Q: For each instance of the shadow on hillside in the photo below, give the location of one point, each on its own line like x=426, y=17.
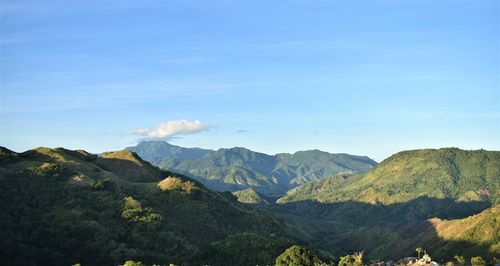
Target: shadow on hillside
x=130, y=170
x=383, y=231
x=35, y=156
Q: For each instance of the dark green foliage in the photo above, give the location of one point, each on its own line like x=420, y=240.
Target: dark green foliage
x=102, y=184
x=264, y=246
x=53, y=170
x=239, y=168
x=50, y=217
x=297, y=256
x=134, y=212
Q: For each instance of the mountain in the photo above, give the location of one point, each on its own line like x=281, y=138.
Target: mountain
x=61, y=207
x=445, y=173
x=157, y=151
x=445, y=200
x=239, y=168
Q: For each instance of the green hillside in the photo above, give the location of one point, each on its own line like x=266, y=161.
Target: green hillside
x=477, y=235
x=249, y=196
x=239, y=168
x=414, y=198
x=61, y=207
x=445, y=173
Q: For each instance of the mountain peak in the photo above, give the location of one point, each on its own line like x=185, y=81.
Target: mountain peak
x=124, y=155
x=130, y=166
x=154, y=151
x=155, y=142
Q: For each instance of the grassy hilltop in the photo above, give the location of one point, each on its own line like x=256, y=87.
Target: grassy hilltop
x=60, y=207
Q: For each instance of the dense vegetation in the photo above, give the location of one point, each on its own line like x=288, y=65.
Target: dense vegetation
x=61, y=207
x=249, y=196
x=239, y=168
x=298, y=256
x=445, y=173
x=414, y=198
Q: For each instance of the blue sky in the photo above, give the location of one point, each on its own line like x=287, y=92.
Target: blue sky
x=361, y=77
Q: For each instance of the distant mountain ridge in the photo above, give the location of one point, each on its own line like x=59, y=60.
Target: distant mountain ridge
x=239, y=168
x=444, y=173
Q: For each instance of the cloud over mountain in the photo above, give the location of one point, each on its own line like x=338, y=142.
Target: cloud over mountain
x=171, y=128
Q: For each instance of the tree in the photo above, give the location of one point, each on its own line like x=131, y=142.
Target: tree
x=297, y=256
x=347, y=260
x=419, y=250
x=133, y=263
x=460, y=260
x=352, y=260
x=477, y=261
x=358, y=258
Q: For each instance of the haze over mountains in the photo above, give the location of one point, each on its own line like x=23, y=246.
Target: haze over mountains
x=239, y=168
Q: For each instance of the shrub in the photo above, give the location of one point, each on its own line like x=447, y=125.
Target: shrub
x=350, y=260
x=297, y=255
x=133, y=263
x=176, y=183
x=102, y=184
x=460, y=260
x=133, y=211
x=477, y=261
x=54, y=170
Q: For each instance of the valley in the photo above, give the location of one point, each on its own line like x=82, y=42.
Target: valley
x=119, y=207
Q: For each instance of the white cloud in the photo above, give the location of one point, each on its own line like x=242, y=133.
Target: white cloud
x=171, y=128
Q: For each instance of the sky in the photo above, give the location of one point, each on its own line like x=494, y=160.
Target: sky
x=360, y=77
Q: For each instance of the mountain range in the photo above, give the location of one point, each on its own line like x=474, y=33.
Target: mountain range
x=62, y=207
x=240, y=168
x=413, y=198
